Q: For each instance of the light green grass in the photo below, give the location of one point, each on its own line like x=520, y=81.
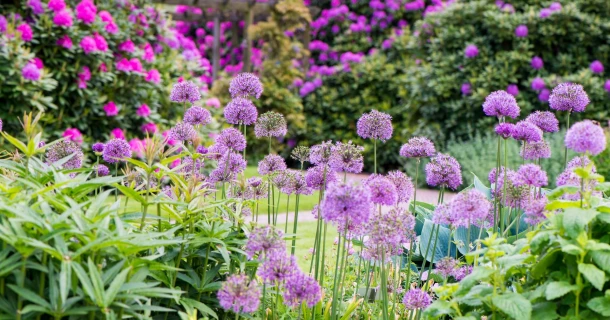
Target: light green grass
x=306, y=234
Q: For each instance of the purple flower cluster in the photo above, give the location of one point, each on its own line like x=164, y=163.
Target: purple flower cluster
x=470, y=207
x=534, y=210
x=241, y=111
x=515, y=194
x=375, y=125
x=63, y=149
x=319, y=154
x=569, y=178
x=301, y=154
x=444, y=171
x=388, y=231
x=382, y=190
x=270, y=124
x=116, y=150
x=586, y=137
x=239, y=294
x=545, y=120
x=319, y=177
x=501, y=104
x=416, y=299
x=346, y=202
x=183, y=132
x=527, y=132
x=404, y=186
x=265, y=240
x=278, y=267
x=346, y=157
x=185, y=91
x=101, y=170
x=569, y=97
x=301, y=288
x=232, y=139
x=197, y=116
x=229, y=165
x=244, y=85
x=504, y=130
x=98, y=147
x=270, y=164
x=535, y=150
x=531, y=175
x=418, y=147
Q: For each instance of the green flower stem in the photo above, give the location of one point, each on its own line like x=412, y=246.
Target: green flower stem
x=287, y=208
x=143, y=222
x=384, y=286
x=502, y=218
x=294, y=225
x=116, y=190
x=268, y=199
x=496, y=213
x=375, y=153
x=565, y=153
x=415, y=188
x=337, y=276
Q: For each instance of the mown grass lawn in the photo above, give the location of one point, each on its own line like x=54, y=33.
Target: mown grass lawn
x=306, y=233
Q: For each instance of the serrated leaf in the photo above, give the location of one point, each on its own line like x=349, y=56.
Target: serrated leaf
x=575, y=220
x=514, y=305
x=602, y=259
x=593, y=274
x=600, y=305
x=544, y=311
x=558, y=289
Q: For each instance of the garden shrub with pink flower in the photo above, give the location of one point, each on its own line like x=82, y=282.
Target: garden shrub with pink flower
x=173, y=230
x=92, y=67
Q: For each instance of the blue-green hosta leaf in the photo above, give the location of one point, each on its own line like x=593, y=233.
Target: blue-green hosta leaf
x=435, y=240
x=461, y=237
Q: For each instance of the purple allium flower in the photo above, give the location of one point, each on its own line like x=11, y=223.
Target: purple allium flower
x=187, y=166
x=197, y=116
x=244, y=85
x=346, y=157
x=515, y=195
x=537, y=63
x=300, y=185
x=534, y=210
x=270, y=124
x=545, y=120
x=570, y=178
x=216, y=151
x=404, y=185
x=444, y=171
x=183, y=132
x=30, y=72
x=462, y=272
x=607, y=85
x=241, y=111
x=232, y=139
x=596, y=67
x=535, y=150
x=278, y=267
x=301, y=288
x=375, y=125
x=531, y=175
x=116, y=150
x=512, y=89
x=345, y=202
x=229, y=165
x=390, y=230
x=382, y=190
x=63, y=149
x=201, y=150
x=527, y=131
x=504, y=129
x=185, y=91
x=416, y=299
x=417, y=147
x=442, y=214
x=470, y=207
x=239, y=294
x=321, y=153
x=270, y=164
x=446, y=266
x=98, y=147
x=538, y=84
x=315, y=177
x=501, y=104
x=544, y=95
x=471, y=51
x=265, y=240
x=521, y=31
x=466, y=89
x=257, y=188
x=569, y=97
x=101, y=170
x=586, y=137
x=301, y=154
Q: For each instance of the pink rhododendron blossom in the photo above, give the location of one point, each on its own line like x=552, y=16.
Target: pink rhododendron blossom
x=111, y=109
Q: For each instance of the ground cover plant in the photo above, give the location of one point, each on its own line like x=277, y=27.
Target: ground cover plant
x=178, y=230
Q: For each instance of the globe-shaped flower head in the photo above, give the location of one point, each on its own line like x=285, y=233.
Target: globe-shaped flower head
x=404, y=185
x=278, y=267
x=569, y=97
x=504, y=130
x=320, y=176
x=527, y=132
x=101, y=170
x=444, y=171
x=301, y=288
x=98, y=147
x=241, y=111
x=531, y=175
x=383, y=191
x=63, y=149
x=183, y=132
x=416, y=299
x=232, y=139
x=270, y=164
x=197, y=116
x=375, y=125
x=321, y=153
x=239, y=294
x=586, y=137
x=116, y=150
x=534, y=210
x=346, y=157
x=270, y=124
x=185, y=91
x=501, y=104
x=544, y=120
x=417, y=147
x=535, y=150
x=470, y=207
x=347, y=203
x=244, y=85
x=265, y=240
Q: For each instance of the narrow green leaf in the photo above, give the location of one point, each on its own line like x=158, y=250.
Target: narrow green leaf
x=115, y=286
x=29, y=295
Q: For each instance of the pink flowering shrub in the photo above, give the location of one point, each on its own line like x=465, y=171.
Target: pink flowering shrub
x=88, y=65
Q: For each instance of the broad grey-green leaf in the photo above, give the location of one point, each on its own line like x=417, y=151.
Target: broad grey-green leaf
x=514, y=305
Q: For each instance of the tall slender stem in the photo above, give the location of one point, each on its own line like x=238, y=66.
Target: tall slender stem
x=565, y=153
x=294, y=225
x=287, y=211
x=375, y=153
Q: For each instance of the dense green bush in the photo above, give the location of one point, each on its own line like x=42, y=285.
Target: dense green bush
x=58, y=93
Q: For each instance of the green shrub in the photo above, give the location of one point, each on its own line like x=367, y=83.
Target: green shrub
x=57, y=92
